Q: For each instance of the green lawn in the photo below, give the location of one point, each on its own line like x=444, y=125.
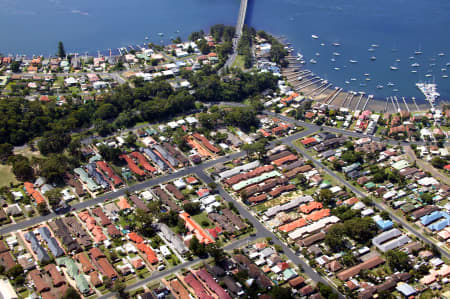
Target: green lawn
x=239, y=62
x=202, y=217
x=7, y=176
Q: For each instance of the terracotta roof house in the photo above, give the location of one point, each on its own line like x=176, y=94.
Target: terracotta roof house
x=56, y=276
x=39, y=283
x=95, y=279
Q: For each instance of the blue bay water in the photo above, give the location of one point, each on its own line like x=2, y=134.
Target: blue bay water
x=405, y=26
x=35, y=27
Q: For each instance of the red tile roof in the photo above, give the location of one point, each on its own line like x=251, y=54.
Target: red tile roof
x=133, y=167
x=192, y=226
x=143, y=161
x=309, y=140
x=111, y=174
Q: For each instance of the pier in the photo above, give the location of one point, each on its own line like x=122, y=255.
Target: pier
x=318, y=93
x=317, y=88
x=406, y=105
x=338, y=91
x=359, y=100
x=414, y=101
x=398, y=105
x=365, y=104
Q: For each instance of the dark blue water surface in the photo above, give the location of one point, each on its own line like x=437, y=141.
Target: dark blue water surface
x=399, y=27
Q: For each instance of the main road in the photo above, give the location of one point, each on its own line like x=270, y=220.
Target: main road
x=380, y=206
x=238, y=34
x=197, y=170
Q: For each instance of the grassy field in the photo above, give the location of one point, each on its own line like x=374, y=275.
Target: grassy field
x=25, y=151
x=199, y=218
x=239, y=62
x=6, y=176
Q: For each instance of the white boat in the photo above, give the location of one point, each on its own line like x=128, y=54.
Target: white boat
x=313, y=61
x=336, y=54
x=375, y=46
x=380, y=86
x=362, y=84
x=413, y=71
x=336, y=44
x=441, y=54
x=393, y=68
x=299, y=55
x=415, y=64
x=432, y=64
x=448, y=64
x=371, y=49
x=367, y=74
x=429, y=90
x=418, y=52
x=368, y=79
x=322, y=44
x=160, y=34
x=314, y=36
x=411, y=57
x=395, y=90
x=332, y=59
x=443, y=69
x=347, y=82
x=398, y=60
x=300, y=78
x=317, y=54
x=373, y=58
x=352, y=79
x=428, y=75
x=444, y=76
x=146, y=38
x=336, y=69
x=390, y=84
x=353, y=61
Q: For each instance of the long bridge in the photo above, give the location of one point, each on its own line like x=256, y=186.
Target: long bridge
x=238, y=33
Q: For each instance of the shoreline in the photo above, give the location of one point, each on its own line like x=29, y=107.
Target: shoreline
x=318, y=89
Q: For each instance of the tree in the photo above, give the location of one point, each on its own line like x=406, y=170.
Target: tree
x=119, y=287
x=427, y=198
x=326, y=196
x=385, y=215
x=326, y=291
x=361, y=229
x=15, y=271
x=192, y=208
x=61, y=51
x=23, y=170
x=110, y=154
x=71, y=293
x=42, y=208
x=6, y=150
x=438, y=162
x=196, y=247
x=53, y=142
x=15, y=66
x=398, y=260
x=280, y=292
x=131, y=139
x=53, y=168
x=302, y=179
x=216, y=252
x=334, y=238
x=144, y=223
x=54, y=197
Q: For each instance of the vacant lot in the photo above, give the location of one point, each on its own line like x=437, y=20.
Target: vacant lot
x=6, y=176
